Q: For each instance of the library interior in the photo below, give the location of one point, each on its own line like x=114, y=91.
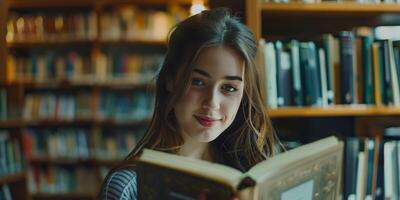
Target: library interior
x=77, y=85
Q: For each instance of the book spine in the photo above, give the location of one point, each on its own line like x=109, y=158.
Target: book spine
x=347, y=67
x=271, y=68
x=368, y=69
x=296, y=73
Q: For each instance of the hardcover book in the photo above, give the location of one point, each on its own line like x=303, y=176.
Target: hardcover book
x=311, y=171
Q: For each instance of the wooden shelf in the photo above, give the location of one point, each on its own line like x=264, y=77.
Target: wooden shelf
x=284, y=112
x=48, y=44
x=74, y=161
x=71, y=85
x=79, y=43
x=82, y=122
x=331, y=8
x=113, y=122
x=10, y=123
x=334, y=111
x=54, y=122
x=133, y=42
x=108, y=162
x=29, y=4
x=60, y=161
x=12, y=178
x=147, y=2
x=72, y=195
x=4, y=84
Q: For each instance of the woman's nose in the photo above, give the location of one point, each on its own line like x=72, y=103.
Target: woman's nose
x=212, y=99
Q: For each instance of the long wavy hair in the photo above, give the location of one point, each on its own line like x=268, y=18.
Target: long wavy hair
x=250, y=138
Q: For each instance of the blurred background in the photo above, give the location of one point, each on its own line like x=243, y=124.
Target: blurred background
x=77, y=83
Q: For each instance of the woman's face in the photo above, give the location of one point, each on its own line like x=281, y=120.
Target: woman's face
x=212, y=100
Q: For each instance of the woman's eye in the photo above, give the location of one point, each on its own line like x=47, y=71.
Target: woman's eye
x=229, y=88
x=197, y=82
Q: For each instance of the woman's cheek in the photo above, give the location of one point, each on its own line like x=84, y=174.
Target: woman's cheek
x=190, y=97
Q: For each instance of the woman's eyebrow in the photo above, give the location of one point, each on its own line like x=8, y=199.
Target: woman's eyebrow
x=206, y=74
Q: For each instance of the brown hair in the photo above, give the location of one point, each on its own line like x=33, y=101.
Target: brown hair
x=250, y=138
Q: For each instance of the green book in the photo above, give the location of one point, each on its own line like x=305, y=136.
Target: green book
x=368, y=71
x=3, y=104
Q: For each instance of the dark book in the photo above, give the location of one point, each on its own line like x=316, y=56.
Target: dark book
x=294, y=49
x=328, y=46
x=351, y=149
x=347, y=67
x=366, y=48
x=387, y=91
x=5, y=192
x=370, y=169
x=284, y=76
x=3, y=104
x=310, y=74
x=379, y=195
x=302, y=173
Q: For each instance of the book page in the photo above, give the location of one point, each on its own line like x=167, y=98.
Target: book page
x=209, y=170
x=303, y=191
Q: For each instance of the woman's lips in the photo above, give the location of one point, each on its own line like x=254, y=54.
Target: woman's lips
x=206, y=121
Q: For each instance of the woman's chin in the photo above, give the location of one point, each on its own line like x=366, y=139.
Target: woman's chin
x=204, y=137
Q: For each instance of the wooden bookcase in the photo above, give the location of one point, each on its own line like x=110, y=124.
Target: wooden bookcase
x=18, y=91
x=306, y=21
x=367, y=121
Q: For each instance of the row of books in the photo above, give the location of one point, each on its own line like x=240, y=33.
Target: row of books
x=56, y=143
x=295, y=74
x=58, y=179
x=55, y=106
x=80, y=143
x=122, y=106
x=115, y=144
x=11, y=160
x=337, y=70
x=3, y=103
x=372, y=166
x=5, y=192
x=118, y=23
x=78, y=67
x=64, y=26
x=130, y=22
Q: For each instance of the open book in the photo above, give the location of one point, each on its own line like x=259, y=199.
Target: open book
x=311, y=171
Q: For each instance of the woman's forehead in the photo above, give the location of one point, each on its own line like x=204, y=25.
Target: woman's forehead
x=220, y=60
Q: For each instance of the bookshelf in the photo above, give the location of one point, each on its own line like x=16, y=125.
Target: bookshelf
x=334, y=111
x=308, y=22
x=368, y=117
x=331, y=8
x=77, y=81
x=323, y=14
x=280, y=21
x=12, y=178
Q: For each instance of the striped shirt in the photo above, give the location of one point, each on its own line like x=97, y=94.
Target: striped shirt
x=121, y=185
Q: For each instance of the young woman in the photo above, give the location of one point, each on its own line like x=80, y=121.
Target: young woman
x=208, y=101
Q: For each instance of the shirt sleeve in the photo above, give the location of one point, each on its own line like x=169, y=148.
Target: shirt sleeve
x=121, y=185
